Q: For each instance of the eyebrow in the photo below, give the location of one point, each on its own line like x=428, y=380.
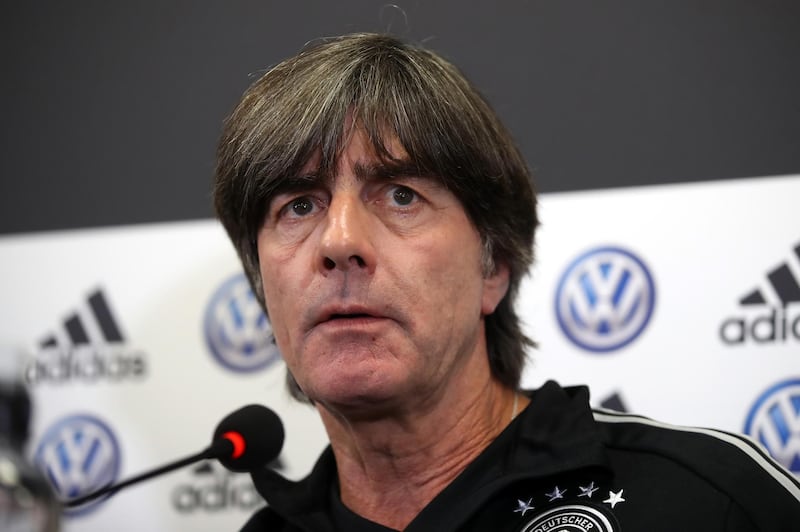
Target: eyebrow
x=296, y=183
x=387, y=171
x=364, y=171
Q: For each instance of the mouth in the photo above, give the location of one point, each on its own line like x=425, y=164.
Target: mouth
x=347, y=316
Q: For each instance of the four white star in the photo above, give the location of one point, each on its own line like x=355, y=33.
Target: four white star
x=586, y=491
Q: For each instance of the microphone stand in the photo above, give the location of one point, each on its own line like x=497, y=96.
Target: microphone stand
x=218, y=448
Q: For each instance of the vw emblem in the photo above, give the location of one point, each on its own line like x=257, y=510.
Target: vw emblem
x=79, y=455
x=774, y=420
x=605, y=299
x=237, y=331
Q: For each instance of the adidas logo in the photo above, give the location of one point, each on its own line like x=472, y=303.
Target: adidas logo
x=215, y=490
x=771, y=313
x=88, y=347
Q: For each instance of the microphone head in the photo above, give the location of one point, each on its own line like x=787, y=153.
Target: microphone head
x=248, y=438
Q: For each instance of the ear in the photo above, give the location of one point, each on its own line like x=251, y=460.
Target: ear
x=495, y=287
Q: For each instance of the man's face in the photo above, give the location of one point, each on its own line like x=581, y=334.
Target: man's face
x=374, y=284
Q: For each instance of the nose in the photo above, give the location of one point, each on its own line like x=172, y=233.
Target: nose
x=346, y=243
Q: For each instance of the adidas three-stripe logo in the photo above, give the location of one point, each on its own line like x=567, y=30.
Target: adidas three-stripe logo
x=87, y=347
x=770, y=313
x=783, y=280
x=90, y=325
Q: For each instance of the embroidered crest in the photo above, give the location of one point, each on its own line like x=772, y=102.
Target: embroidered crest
x=572, y=518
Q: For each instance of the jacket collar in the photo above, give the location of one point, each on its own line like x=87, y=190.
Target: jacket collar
x=555, y=434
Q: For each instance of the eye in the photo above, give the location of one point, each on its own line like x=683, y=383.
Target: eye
x=301, y=206
x=403, y=195
x=298, y=207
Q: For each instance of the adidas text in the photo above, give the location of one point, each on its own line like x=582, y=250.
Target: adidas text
x=782, y=324
x=216, y=496
x=85, y=364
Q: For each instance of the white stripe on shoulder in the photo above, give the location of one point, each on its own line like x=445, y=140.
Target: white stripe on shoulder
x=753, y=449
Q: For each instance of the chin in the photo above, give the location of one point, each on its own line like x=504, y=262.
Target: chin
x=356, y=392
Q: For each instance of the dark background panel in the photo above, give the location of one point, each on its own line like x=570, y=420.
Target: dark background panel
x=111, y=110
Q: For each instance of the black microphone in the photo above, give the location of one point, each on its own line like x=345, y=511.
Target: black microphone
x=256, y=433
x=244, y=440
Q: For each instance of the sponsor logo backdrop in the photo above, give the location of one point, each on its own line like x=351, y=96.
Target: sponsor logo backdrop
x=679, y=302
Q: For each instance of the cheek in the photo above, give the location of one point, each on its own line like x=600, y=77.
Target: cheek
x=280, y=321
x=457, y=262
x=275, y=289
x=276, y=267
x=452, y=279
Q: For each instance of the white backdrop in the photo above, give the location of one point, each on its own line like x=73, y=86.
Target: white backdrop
x=158, y=389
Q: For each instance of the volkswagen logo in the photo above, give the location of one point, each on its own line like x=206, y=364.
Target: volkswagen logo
x=237, y=331
x=604, y=299
x=774, y=420
x=79, y=455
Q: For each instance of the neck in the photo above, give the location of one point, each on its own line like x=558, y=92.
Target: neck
x=391, y=467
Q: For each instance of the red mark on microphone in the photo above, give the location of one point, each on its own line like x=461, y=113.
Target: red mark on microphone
x=238, y=443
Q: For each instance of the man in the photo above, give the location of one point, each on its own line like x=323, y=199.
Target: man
x=385, y=218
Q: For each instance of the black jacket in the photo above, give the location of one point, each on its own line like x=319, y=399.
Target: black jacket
x=562, y=466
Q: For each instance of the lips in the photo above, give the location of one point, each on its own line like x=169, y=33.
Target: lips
x=346, y=313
